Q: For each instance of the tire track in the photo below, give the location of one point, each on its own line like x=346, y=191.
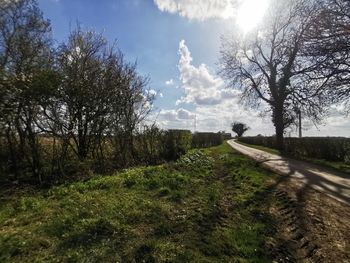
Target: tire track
x=292, y=243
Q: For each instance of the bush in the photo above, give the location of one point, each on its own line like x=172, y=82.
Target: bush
x=149, y=145
x=177, y=143
x=325, y=148
x=207, y=139
x=196, y=158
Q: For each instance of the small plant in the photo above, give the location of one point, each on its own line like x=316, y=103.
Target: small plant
x=214, y=193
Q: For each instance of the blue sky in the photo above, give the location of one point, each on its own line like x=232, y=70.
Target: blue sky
x=143, y=33
x=177, y=46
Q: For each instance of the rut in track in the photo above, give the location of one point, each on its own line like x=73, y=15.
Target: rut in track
x=290, y=243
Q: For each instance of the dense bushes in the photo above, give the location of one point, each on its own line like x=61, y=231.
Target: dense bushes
x=67, y=106
x=149, y=145
x=75, y=108
x=260, y=140
x=155, y=145
x=177, y=143
x=326, y=148
x=208, y=139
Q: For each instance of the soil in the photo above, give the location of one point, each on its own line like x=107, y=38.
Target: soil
x=310, y=225
x=311, y=210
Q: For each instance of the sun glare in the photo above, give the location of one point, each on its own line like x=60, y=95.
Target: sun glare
x=250, y=13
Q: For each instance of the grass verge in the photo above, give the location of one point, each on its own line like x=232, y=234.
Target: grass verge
x=210, y=206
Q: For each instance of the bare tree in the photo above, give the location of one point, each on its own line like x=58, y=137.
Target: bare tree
x=25, y=59
x=329, y=43
x=82, y=94
x=80, y=97
x=100, y=96
x=131, y=104
x=270, y=65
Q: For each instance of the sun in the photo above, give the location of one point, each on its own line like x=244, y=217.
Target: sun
x=250, y=13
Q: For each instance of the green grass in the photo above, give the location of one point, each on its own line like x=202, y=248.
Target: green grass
x=210, y=206
x=338, y=166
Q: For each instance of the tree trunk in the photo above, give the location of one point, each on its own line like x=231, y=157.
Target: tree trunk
x=279, y=128
x=13, y=154
x=36, y=166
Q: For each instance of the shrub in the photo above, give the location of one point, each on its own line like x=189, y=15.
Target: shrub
x=149, y=145
x=196, y=158
x=177, y=143
x=207, y=139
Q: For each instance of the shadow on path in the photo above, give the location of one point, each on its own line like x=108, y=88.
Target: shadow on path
x=336, y=185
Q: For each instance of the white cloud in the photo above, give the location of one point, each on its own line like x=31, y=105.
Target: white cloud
x=213, y=118
x=214, y=106
x=184, y=114
x=169, y=82
x=199, y=85
x=174, y=119
x=179, y=114
x=337, y=123
x=198, y=9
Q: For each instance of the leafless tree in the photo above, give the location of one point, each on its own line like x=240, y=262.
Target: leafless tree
x=131, y=104
x=270, y=65
x=83, y=97
x=329, y=43
x=100, y=96
x=25, y=59
x=82, y=93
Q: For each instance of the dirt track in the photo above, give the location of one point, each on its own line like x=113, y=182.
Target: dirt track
x=312, y=213
x=334, y=184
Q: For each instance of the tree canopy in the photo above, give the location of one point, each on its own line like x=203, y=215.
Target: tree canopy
x=239, y=128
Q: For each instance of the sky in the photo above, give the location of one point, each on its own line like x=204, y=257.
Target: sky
x=177, y=44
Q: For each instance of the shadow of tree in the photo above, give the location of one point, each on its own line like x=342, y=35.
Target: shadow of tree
x=309, y=175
